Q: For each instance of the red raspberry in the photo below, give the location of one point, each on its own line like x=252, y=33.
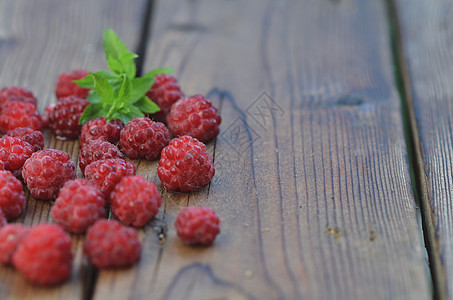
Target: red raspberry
x=16, y=93
x=78, y=206
x=44, y=256
x=135, y=201
x=12, y=196
x=194, y=116
x=33, y=137
x=142, y=137
x=19, y=114
x=64, y=117
x=14, y=152
x=2, y=165
x=99, y=129
x=46, y=171
x=66, y=86
x=3, y=220
x=11, y=236
x=164, y=92
x=97, y=150
x=185, y=165
x=108, y=244
x=107, y=173
x=197, y=225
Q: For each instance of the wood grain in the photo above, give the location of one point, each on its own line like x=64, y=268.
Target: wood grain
x=38, y=41
x=312, y=181
x=426, y=34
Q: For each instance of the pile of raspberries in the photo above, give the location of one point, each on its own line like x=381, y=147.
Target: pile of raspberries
x=42, y=253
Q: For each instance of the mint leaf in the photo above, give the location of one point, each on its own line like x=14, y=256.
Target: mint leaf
x=117, y=93
x=86, y=82
x=124, y=93
x=94, y=98
x=113, y=46
x=140, y=86
x=103, y=88
x=147, y=106
x=119, y=58
x=90, y=112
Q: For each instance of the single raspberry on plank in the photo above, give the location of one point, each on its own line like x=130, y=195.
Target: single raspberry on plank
x=164, y=92
x=19, y=114
x=142, y=137
x=107, y=173
x=197, y=225
x=33, y=137
x=64, y=117
x=108, y=244
x=46, y=171
x=16, y=93
x=11, y=235
x=135, y=200
x=78, y=206
x=185, y=165
x=12, y=196
x=99, y=128
x=194, y=116
x=14, y=152
x=44, y=256
x=65, y=85
x=97, y=150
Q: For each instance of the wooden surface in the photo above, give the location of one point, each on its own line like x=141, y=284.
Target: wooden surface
x=318, y=203
x=426, y=35
x=312, y=179
x=38, y=41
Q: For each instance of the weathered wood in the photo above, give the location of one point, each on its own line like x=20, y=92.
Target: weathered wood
x=426, y=33
x=38, y=41
x=314, y=195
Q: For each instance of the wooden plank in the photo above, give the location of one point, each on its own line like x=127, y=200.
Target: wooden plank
x=426, y=34
x=38, y=41
x=317, y=203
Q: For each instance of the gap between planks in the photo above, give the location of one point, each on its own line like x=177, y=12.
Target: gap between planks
x=415, y=157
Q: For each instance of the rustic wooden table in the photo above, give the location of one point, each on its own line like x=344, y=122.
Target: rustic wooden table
x=333, y=176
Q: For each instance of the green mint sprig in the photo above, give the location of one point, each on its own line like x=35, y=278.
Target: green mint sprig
x=118, y=94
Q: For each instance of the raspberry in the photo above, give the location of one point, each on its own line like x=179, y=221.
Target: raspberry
x=78, y=206
x=135, y=201
x=3, y=220
x=11, y=236
x=97, y=150
x=64, y=117
x=14, y=152
x=99, y=129
x=33, y=137
x=19, y=114
x=106, y=173
x=46, y=171
x=66, y=86
x=142, y=137
x=2, y=165
x=164, y=92
x=44, y=255
x=185, y=165
x=16, y=93
x=12, y=196
x=197, y=225
x=194, y=116
x=108, y=244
